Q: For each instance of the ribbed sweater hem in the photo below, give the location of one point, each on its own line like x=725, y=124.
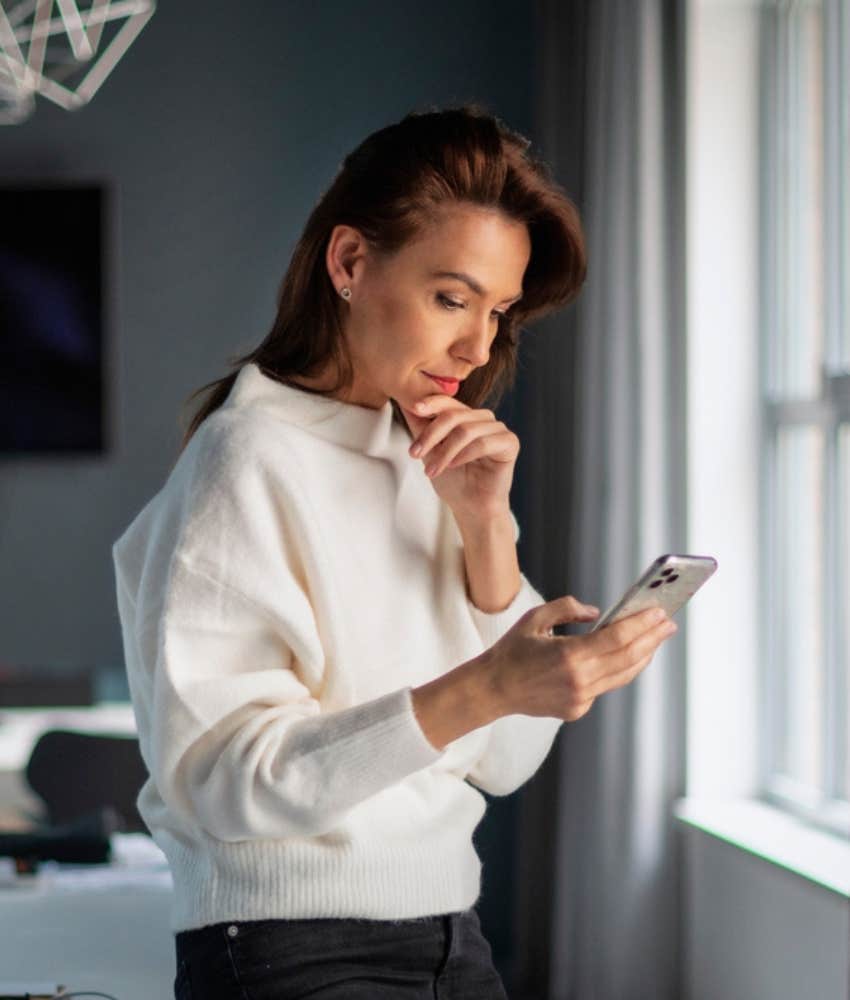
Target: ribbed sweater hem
x=292, y=879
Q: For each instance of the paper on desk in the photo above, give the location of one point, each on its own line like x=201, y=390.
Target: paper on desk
x=136, y=849
x=94, y=878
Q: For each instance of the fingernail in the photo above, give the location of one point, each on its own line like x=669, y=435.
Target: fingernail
x=416, y=450
x=658, y=615
x=420, y=407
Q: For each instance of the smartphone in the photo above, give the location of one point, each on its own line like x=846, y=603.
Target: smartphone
x=667, y=583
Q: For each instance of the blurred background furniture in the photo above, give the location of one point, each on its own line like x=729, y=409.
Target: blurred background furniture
x=57, y=763
x=74, y=773
x=32, y=687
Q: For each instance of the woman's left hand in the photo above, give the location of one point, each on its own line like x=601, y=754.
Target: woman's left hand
x=472, y=454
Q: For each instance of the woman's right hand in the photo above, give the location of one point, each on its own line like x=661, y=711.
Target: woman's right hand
x=531, y=672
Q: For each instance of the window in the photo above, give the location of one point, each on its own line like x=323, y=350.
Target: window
x=805, y=399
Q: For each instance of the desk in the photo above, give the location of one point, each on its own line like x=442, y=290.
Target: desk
x=91, y=927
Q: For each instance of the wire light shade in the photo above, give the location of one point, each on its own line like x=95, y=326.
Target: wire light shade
x=46, y=45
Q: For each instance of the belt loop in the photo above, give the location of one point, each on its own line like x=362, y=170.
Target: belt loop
x=452, y=935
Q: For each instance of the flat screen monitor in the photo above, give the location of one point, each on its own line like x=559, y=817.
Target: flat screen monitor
x=51, y=318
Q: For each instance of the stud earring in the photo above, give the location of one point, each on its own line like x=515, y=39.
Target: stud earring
x=345, y=293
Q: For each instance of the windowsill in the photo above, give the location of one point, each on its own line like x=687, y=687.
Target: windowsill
x=774, y=835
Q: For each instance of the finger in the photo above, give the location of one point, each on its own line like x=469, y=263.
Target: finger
x=644, y=644
x=471, y=441
x=560, y=611
x=622, y=678
x=442, y=426
x=414, y=424
x=437, y=403
x=497, y=443
x=614, y=637
x=579, y=710
x=426, y=409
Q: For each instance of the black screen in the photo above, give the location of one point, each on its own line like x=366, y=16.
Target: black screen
x=51, y=318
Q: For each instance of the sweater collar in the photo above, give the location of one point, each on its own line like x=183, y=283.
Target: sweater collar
x=371, y=431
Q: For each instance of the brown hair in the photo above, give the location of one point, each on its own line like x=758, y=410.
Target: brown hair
x=391, y=187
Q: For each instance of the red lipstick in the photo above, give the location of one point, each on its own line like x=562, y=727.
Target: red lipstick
x=449, y=385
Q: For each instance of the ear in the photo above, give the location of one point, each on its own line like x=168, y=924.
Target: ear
x=345, y=255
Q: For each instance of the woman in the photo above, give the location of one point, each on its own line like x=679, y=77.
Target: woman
x=329, y=643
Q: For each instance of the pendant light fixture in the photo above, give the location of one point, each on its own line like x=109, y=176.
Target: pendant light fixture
x=62, y=49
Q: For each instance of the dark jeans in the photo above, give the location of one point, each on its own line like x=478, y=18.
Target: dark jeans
x=443, y=957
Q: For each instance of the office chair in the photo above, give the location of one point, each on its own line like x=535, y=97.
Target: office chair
x=75, y=773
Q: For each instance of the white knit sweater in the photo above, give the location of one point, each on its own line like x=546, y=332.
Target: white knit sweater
x=292, y=580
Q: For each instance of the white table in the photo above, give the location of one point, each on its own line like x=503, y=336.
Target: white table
x=88, y=927
x=92, y=927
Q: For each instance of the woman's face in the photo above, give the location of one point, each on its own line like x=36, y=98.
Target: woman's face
x=408, y=315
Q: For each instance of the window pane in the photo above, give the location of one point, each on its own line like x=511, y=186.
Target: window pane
x=799, y=281
x=844, y=600
x=842, y=20
x=798, y=546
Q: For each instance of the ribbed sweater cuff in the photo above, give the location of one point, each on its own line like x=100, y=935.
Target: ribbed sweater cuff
x=493, y=625
x=387, y=739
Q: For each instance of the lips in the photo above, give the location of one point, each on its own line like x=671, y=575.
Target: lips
x=448, y=385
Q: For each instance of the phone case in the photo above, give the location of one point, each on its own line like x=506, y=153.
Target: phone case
x=667, y=583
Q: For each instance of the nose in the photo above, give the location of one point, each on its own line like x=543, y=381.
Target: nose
x=478, y=336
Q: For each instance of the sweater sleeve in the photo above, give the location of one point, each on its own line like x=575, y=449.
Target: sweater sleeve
x=226, y=665
x=518, y=744
x=238, y=744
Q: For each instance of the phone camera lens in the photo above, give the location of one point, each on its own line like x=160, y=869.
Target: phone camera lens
x=675, y=576
x=667, y=572
x=656, y=583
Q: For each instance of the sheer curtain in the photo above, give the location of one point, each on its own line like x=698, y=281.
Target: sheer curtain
x=601, y=415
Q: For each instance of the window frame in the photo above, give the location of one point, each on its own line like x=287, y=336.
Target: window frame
x=780, y=39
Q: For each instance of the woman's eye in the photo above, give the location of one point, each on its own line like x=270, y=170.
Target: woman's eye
x=451, y=304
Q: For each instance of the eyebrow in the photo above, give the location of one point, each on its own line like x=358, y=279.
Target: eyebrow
x=469, y=280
